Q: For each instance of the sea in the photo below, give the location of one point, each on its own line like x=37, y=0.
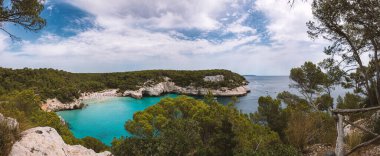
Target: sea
x=104, y=119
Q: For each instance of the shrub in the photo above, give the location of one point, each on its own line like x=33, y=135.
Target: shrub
x=94, y=144
x=310, y=128
x=7, y=138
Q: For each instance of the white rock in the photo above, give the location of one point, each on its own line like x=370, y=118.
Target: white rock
x=41, y=141
x=11, y=123
x=216, y=78
x=171, y=87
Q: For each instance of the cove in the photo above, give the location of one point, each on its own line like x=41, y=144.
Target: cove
x=104, y=119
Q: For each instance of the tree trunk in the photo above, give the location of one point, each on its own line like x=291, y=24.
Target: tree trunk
x=377, y=71
x=339, y=147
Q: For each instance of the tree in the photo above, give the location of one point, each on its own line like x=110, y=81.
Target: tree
x=201, y=129
x=312, y=83
x=24, y=13
x=353, y=29
x=272, y=114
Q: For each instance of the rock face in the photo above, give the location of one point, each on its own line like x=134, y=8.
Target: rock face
x=170, y=87
x=42, y=141
x=11, y=123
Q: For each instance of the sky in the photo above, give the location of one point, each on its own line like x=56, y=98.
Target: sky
x=260, y=37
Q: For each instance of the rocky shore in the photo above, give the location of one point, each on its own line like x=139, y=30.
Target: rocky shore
x=149, y=89
x=171, y=87
x=52, y=105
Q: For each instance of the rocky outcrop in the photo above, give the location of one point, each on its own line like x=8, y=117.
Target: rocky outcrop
x=10, y=122
x=52, y=105
x=170, y=87
x=41, y=141
x=216, y=78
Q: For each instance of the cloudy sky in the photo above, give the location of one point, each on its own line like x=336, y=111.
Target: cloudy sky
x=261, y=37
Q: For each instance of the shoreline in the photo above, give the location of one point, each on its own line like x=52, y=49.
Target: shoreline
x=54, y=105
x=158, y=89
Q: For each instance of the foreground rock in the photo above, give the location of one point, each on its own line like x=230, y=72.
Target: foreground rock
x=41, y=141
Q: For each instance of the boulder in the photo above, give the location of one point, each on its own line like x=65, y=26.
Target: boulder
x=11, y=123
x=46, y=141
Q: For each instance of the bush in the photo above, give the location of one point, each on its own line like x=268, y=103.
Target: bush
x=277, y=150
x=7, y=138
x=310, y=128
x=354, y=139
x=94, y=144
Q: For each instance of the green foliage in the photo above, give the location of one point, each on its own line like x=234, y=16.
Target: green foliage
x=271, y=113
x=314, y=84
x=186, y=126
x=351, y=28
x=294, y=102
x=324, y=102
x=279, y=149
x=308, y=79
x=95, y=144
x=24, y=13
x=350, y=101
x=7, y=137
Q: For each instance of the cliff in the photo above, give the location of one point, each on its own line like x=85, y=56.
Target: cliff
x=46, y=141
x=151, y=88
x=170, y=87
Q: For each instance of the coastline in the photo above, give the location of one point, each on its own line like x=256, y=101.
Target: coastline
x=148, y=89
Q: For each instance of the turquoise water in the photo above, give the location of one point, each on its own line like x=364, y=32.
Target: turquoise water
x=105, y=119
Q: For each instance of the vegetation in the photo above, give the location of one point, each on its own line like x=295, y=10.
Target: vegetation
x=65, y=86
x=24, y=13
x=93, y=143
x=8, y=136
x=24, y=107
x=186, y=126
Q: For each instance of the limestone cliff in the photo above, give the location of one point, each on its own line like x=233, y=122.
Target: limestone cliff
x=171, y=87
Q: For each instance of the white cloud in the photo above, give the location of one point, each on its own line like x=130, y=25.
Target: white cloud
x=286, y=23
x=126, y=37
x=158, y=14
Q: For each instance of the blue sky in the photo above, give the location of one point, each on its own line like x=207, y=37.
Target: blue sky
x=262, y=37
